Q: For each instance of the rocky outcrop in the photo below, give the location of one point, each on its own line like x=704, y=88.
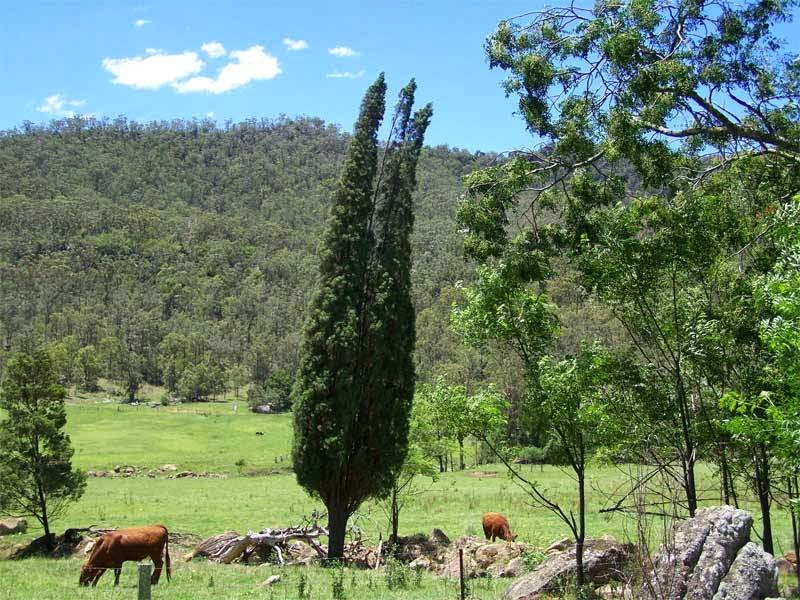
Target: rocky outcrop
x=12, y=525
x=709, y=558
x=482, y=559
x=604, y=560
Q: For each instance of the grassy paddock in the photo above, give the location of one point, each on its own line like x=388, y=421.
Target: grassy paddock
x=212, y=437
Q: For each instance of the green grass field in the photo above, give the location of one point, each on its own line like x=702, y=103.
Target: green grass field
x=260, y=492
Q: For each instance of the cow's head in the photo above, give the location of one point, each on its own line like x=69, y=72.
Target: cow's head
x=86, y=575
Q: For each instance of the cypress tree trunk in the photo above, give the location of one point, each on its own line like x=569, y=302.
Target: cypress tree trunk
x=395, y=516
x=337, y=527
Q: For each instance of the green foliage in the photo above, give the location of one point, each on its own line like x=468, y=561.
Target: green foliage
x=199, y=382
x=671, y=238
x=355, y=384
x=302, y=586
x=623, y=80
x=88, y=368
x=531, y=558
x=779, y=291
x=276, y=393
x=35, y=454
x=500, y=307
x=575, y=398
x=337, y=582
x=444, y=413
x=396, y=573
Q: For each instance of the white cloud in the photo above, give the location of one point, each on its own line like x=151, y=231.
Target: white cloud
x=141, y=22
x=57, y=105
x=345, y=75
x=248, y=65
x=153, y=51
x=213, y=49
x=210, y=114
x=342, y=51
x=295, y=44
x=155, y=70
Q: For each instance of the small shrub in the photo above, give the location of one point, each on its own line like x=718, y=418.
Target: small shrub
x=417, y=577
x=337, y=583
x=303, y=591
x=396, y=574
x=530, y=559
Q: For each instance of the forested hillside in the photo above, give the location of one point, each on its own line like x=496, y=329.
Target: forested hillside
x=183, y=253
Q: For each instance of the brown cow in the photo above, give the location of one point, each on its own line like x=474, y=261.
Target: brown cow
x=495, y=526
x=134, y=543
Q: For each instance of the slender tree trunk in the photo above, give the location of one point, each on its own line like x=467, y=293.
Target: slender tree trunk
x=732, y=486
x=723, y=465
x=461, y=466
x=579, y=539
x=688, y=460
x=793, y=494
x=45, y=519
x=337, y=526
x=762, y=489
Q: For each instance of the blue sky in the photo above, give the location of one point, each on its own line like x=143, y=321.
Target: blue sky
x=165, y=60
x=182, y=59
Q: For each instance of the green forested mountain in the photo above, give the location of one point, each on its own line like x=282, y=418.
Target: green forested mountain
x=183, y=253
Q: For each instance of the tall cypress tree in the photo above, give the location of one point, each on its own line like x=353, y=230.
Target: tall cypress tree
x=354, y=389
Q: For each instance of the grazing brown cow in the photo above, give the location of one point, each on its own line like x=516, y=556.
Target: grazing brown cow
x=495, y=526
x=134, y=543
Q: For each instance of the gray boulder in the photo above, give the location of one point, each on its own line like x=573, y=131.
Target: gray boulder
x=753, y=576
x=604, y=560
x=703, y=553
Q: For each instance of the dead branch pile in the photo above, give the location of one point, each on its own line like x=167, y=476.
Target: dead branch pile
x=230, y=546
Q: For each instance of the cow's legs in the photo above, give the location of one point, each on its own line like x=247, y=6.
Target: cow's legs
x=158, y=563
x=98, y=573
x=117, y=571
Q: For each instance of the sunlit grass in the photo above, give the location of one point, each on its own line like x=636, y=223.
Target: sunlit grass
x=213, y=437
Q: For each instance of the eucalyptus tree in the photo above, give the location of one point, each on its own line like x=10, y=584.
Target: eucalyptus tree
x=637, y=105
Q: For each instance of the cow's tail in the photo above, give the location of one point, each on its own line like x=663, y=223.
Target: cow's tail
x=166, y=557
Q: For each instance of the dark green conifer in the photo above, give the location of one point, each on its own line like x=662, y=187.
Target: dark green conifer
x=354, y=389
x=35, y=454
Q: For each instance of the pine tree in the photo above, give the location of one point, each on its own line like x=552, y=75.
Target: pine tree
x=354, y=389
x=35, y=454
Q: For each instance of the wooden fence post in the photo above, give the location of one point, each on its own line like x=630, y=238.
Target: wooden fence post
x=461, y=573
x=145, y=570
